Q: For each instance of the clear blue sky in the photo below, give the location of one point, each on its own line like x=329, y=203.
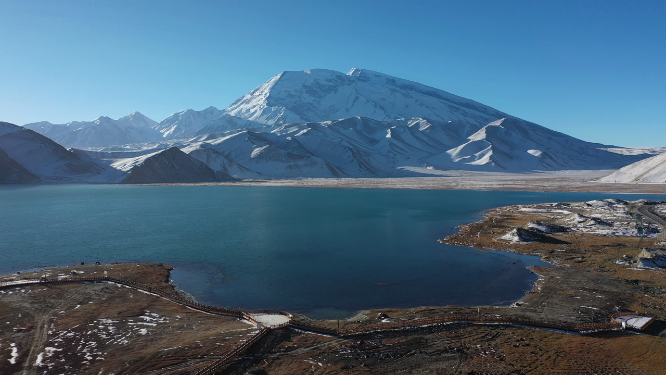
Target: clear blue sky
x=593, y=69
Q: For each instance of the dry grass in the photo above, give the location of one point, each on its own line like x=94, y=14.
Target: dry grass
x=133, y=332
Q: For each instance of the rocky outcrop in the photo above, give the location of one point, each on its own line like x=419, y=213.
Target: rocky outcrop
x=520, y=235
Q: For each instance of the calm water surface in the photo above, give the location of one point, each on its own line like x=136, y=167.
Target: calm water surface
x=321, y=252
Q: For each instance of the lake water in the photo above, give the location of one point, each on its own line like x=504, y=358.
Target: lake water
x=321, y=252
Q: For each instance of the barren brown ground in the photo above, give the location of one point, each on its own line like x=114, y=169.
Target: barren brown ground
x=456, y=349
x=105, y=328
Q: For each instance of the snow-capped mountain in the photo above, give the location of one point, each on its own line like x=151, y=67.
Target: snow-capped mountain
x=320, y=95
x=187, y=123
x=30, y=151
x=651, y=170
x=322, y=123
x=100, y=132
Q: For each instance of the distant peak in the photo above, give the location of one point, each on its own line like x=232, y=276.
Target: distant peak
x=136, y=115
x=354, y=72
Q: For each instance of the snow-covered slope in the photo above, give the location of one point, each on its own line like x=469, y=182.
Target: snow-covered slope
x=320, y=95
x=100, y=132
x=42, y=157
x=187, y=123
x=648, y=170
x=514, y=145
x=361, y=147
x=228, y=122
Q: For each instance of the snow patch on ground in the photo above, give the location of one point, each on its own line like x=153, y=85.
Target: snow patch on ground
x=14, y=353
x=93, y=337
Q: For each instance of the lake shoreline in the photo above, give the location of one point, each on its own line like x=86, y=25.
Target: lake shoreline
x=490, y=181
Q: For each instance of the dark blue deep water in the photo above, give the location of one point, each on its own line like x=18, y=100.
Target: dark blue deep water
x=321, y=252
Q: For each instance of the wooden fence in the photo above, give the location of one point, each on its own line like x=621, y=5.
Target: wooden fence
x=231, y=356
x=476, y=319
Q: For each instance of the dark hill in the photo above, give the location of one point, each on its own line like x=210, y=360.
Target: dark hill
x=173, y=166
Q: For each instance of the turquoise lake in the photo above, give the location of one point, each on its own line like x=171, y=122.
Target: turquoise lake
x=325, y=253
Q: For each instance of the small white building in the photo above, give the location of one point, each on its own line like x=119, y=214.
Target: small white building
x=652, y=258
x=635, y=322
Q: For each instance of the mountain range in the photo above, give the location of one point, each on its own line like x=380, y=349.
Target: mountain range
x=27, y=156
x=322, y=123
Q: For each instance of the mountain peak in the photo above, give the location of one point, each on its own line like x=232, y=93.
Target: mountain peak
x=84, y=124
x=354, y=72
x=137, y=114
x=134, y=115
x=138, y=119
x=316, y=95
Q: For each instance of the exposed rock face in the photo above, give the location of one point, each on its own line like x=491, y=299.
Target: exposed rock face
x=12, y=172
x=172, y=166
x=545, y=228
x=42, y=157
x=519, y=235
